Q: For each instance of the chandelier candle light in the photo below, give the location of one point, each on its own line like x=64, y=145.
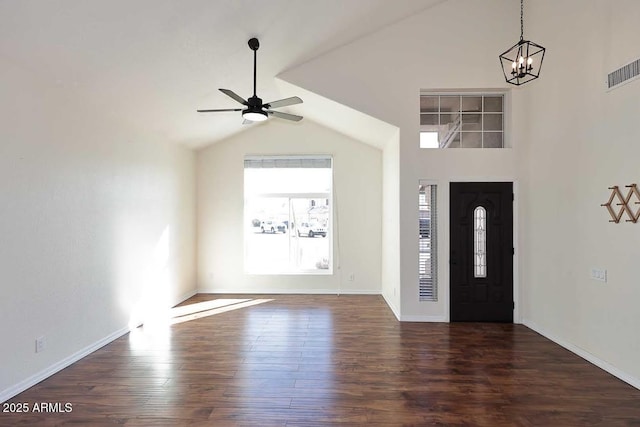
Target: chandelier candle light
x=522, y=62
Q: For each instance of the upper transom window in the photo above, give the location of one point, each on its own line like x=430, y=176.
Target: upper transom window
x=462, y=121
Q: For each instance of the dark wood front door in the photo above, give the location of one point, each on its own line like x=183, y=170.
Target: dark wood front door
x=481, y=252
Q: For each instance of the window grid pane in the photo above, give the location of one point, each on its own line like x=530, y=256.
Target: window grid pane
x=492, y=140
x=471, y=139
x=429, y=104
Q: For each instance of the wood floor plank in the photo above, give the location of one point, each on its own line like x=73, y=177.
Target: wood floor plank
x=302, y=360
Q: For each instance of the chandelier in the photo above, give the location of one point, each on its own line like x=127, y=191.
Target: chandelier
x=522, y=62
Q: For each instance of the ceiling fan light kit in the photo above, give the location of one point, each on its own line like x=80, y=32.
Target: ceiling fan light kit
x=256, y=111
x=254, y=116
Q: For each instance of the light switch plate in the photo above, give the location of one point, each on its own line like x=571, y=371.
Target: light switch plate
x=599, y=274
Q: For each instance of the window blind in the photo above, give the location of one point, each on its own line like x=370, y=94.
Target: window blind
x=428, y=242
x=307, y=162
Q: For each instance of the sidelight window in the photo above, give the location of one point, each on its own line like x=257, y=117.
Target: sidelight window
x=427, y=242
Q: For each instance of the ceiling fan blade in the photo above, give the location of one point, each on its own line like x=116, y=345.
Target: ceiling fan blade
x=284, y=102
x=234, y=95
x=219, y=110
x=285, y=116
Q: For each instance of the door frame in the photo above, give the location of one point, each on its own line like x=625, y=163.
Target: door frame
x=445, y=242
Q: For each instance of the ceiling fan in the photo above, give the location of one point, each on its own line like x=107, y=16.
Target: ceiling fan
x=255, y=110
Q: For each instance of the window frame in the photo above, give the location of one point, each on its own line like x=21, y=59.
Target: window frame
x=506, y=105
x=291, y=196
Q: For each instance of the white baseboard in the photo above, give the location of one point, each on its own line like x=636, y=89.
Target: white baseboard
x=16, y=389
x=635, y=382
x=186, y=296
x=290, y=291
x=57, y=367
x=419, y=318
x=392, y=306
x=432, y=319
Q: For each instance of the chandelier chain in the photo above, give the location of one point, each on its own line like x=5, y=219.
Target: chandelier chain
x=521, y=19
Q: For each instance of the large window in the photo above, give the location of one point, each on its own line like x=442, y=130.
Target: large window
x=427, y=241
x=462, y=121
x=288, y=214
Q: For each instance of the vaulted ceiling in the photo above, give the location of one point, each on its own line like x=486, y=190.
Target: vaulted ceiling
x=153, y=62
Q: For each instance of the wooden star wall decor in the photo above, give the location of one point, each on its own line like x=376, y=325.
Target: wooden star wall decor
x=623, y=204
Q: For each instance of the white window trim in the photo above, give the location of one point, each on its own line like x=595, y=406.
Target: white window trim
x=506, y=111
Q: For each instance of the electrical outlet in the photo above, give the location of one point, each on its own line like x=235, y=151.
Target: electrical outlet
x=599, y=274
x=41, y=343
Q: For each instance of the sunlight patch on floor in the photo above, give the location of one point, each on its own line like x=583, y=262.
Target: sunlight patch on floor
x=157, y=333
x=211, y=308
x=183, y=310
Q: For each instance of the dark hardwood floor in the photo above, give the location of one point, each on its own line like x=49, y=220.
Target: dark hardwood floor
x=301, y=360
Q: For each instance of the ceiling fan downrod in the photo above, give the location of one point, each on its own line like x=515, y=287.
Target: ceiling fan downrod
x=254, y=45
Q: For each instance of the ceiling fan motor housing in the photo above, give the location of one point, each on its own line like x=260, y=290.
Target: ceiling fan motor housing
x=254, y=101
x=255, y=112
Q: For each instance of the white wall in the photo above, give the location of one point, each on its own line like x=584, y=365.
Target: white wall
x=357, y=206
x=94, y=218
x=454, y=45
x=391, y=290
x=583, y=139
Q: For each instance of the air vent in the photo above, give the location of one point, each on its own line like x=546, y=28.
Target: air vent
x=624, y=74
